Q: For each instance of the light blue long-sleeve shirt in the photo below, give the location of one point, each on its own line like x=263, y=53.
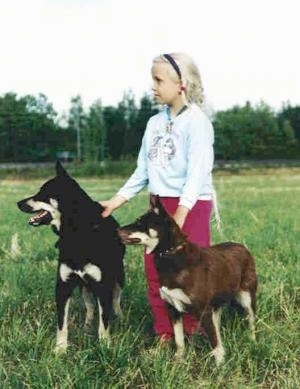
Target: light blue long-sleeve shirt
x=176, y=162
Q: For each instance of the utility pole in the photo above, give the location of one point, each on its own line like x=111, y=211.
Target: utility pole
x=77, y=124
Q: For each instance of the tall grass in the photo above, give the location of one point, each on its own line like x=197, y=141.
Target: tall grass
x=259, y=210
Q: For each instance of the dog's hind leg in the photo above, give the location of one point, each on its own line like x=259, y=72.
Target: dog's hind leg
x=89, y=306
x=103, y=329
x=117, y=301
x=248, y=303
x=63, y=294
x=211, y=322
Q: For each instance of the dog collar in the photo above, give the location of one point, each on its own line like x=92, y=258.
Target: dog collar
x=171, y=250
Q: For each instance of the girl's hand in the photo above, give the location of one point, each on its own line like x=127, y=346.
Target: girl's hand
x=112, y=204
x=180, y=215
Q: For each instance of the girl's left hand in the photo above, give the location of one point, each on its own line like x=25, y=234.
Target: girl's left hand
x=180, y=215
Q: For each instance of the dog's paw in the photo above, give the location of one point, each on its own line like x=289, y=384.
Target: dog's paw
x=104, y=337
x=60, y=348
x=219, y=354
x=119, y=313
x=179, y=354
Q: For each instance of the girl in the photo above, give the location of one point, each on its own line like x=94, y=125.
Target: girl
x=175, y=161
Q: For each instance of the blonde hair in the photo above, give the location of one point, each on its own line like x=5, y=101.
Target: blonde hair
x=190, y=75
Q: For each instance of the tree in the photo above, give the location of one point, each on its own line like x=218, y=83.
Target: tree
x=126, y=124
x=243, y=132
x=27, y=128
x=128, y=109
x=94, y=134
x=115, y=125
x=43, y=127
x=291, y=114
x=40, y=105
x=77, y=122
x=146, y=109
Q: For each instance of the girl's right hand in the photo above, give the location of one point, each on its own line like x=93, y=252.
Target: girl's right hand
x=112, y=204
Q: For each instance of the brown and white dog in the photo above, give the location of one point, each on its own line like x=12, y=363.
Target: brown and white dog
x=195, y=279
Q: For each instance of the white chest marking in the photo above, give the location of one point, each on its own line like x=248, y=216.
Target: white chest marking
x=90, y=269
x=175, y=297
x=56, y=215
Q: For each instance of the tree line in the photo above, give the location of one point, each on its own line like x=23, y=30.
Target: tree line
x=32, y=131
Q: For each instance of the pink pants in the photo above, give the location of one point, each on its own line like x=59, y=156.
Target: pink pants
x=197, y=228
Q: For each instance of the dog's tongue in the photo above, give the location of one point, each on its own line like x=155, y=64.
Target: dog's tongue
x=34, y=219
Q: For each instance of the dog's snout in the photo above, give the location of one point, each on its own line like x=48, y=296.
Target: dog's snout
x=22, y=205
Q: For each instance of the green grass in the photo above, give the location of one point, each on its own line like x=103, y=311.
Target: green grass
x=261, y=210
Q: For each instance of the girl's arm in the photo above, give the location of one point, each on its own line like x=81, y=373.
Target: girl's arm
x=112, y=204
x=200, y=157
x=180, y=215
x=133, y=185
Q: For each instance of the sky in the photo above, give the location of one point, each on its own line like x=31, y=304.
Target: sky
x=246, y=50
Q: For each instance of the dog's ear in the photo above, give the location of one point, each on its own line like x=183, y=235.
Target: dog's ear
x=153, y=201
x=60, y=171
x=158, y=207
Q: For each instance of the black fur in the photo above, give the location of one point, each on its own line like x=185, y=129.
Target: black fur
x=89, y=246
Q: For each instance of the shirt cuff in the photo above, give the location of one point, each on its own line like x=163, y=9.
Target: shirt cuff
x=186, y=203
x=124, y=194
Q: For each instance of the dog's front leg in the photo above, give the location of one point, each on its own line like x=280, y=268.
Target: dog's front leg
x=179, y=337
x=63, y=294
x=177, y=322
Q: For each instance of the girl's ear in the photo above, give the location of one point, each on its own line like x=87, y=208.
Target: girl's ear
x=182, y=89
x=182, y=85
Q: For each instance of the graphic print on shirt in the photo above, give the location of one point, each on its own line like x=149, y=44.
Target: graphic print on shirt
x=162, y=150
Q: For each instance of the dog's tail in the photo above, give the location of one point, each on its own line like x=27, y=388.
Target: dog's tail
x=216, y=212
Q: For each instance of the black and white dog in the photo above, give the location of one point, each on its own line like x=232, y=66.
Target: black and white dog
x=90, y=251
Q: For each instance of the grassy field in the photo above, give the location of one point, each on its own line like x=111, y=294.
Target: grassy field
x=260, y=210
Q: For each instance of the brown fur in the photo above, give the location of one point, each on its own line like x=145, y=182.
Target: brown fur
x=207, y=277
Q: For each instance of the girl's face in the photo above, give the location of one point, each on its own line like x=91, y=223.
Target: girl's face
x=165, y=89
